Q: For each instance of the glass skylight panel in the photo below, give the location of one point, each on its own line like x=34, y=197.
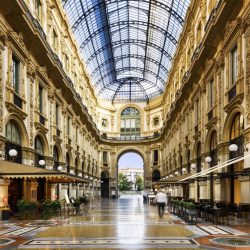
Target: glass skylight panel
x=127, y=38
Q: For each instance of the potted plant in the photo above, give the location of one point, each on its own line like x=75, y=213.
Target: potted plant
x=191, y=211
x=50, y=208
x=26, y=209
x=76, y=202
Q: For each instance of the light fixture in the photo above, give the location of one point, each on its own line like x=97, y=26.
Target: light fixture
x=59, y=168
x=171, y=176
x=208, y=159
x=80, y=174
x=95, y=179
x=233, y=148
x=176, y=172
x=71, y=171
x=41, y=162
x=193, y=166
x=12, y=153
x=91, y=178
x=167, y=177
x=86, y=176
x=184, y=170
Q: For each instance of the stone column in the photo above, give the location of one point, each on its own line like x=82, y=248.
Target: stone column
x=77, y=190
x=4, y=184
x=53, y=195
x=31, y=190
x=192, y=192
x=24, y=189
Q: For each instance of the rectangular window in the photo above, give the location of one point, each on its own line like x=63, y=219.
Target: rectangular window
x=197, y=111
x=211, y=94
x=66, y=63
x=40, y=95
x=57, y=116
x=156, y=121
x=234, y=65
x=104, y=122
x=105, y=157
x=54, y=40
x=74, y=78
x=76, y=134
x=68, y=126
x=15, y=74
x=38, y=10
x=156, y=155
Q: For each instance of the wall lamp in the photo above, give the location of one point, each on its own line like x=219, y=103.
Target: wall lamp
x=208, y=159
x=41, y=163
x=12, y=153
x=193, y=166
x=59, y=168
x=233, y=147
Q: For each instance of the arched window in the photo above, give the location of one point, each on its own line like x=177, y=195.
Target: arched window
x=236, y=137
x=39, y=151
x=235, y=127
x=39, y=146
x=13, y=142
x=130, y=123
x=213, y=151
x=56, y=157
x=76, y=166
x=213, y=142
x=12, y=133
x=68, y=162
x=198, y=157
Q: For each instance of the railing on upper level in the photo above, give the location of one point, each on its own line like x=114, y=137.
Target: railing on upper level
x=55, y=57
x=213, y=15
x=131, y=138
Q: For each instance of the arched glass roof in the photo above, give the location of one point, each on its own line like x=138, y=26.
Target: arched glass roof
x=128, y=45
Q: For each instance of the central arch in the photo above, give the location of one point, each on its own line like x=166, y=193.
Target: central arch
x=131, y=171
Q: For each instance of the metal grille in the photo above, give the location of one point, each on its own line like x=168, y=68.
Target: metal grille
x=128, y=45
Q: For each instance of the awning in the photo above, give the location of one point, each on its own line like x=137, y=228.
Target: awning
x=216, y=168
x=173, y=180
x=9, y=170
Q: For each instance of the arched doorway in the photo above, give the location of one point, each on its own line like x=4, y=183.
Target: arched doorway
x=14, y=142
x=156, y=175
x=104, y=184
x=130, y=173
x=236, y=137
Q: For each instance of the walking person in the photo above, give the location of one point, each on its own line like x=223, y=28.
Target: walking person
x=161, y=200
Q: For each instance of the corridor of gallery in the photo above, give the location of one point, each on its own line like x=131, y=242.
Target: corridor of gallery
x=124, y=223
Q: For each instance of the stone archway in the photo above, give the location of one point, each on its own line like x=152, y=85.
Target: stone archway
x=129, y=149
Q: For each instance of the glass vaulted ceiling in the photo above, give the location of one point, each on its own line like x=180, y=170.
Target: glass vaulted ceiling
x=128, y=45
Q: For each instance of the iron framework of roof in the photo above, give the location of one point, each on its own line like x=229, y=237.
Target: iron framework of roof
x=128, y=45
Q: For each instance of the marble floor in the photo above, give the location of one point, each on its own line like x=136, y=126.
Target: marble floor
x=125, y=223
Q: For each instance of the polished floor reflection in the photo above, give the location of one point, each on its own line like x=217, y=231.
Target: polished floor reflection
x=125, y=223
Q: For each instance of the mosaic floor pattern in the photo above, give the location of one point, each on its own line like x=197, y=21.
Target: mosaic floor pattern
x=112, y=243
x=120, y=224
